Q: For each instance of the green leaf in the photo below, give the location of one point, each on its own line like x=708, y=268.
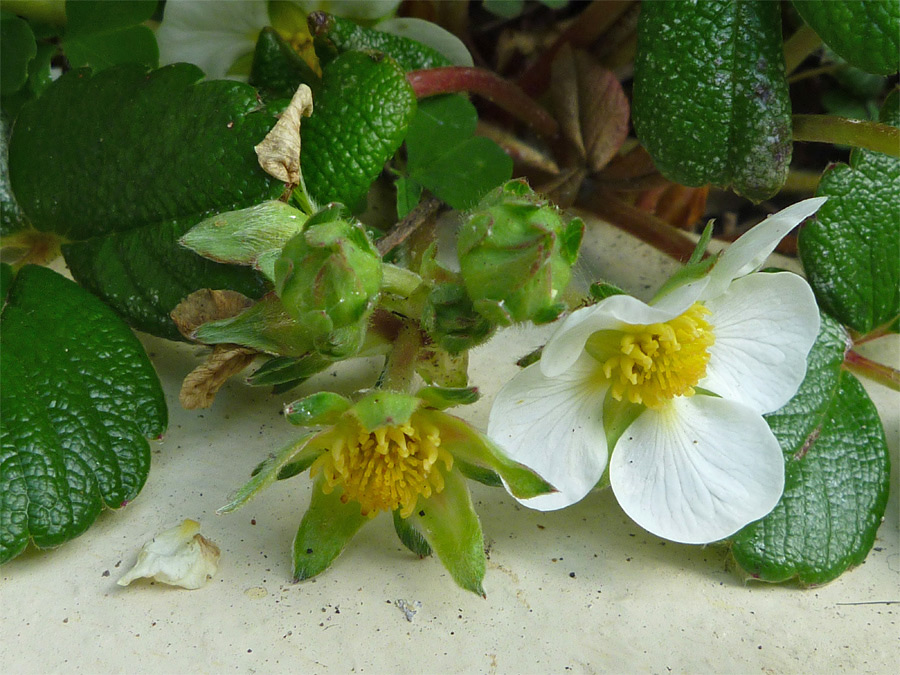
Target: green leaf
x=445, y=157
x=836, y=476
x=79, y=399
x=866, y=33
x=410, y=537
x=409, y=194
x=334, y=33
x=103, y=34
x=268, y=472
x=17, y=49
x=278, y=69
x=359, y=120
x=851, y=252
x=450, y=525
x=711, y=102
x=133, y=160
x=325, y=530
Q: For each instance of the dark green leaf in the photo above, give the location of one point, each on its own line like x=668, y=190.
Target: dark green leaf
x=711, y=102
x=79, y=399
x=17, y=49
x=103, y=34
x=866, y=33
x=277, y=69
x=445, y=157
x=836, y=476
x=132, y=161
x=334, y=33
x=409, y=193
x=325, y=530
x=359, y=120
x=851, y=253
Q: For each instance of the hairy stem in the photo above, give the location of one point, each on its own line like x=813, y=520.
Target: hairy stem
x=456, y=79
x=800, y=45
x=422, y=213
x=400, y=366
x=874, y=334
x=884, y=374
x=842, y=131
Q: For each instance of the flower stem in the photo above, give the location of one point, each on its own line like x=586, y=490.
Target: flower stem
x=840, y=130
x=422, y=213
x=874, y=334
x=884, y=374
x=800, y=45
x=455, y=79
x=401, y=362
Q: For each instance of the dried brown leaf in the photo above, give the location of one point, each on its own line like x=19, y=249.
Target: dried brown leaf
x=207, y=305
x=279, y=153
x=200, y=387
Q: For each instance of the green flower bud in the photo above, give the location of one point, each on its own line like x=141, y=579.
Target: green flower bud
x=451, y=320
x=516, y=254
x=328, y=278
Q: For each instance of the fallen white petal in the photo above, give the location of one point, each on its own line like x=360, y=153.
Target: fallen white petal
x=555, y=427
x=698, y=470
x=567, y=343
x=750, y=251
x=177, y=557
x=765, y=325
x=211, y=35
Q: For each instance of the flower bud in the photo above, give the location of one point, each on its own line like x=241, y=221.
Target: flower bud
x=451, y=320
x=328, y=278
x=516, y=254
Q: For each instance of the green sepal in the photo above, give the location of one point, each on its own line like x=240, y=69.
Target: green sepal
x=451, y=320
x=267, y=472
x=450, y=526
x=465, y=443
x=534, y=356
x=851, y=252
x=441, y=398
x=325, y=530
x=287, y=369
x=334, y=34
x=324, y=407
x=696, y=268
x=277, y=69
x=478, y=473
x=711, y=103
x=241, y=237
x=385, y=408
x=600, y=290
x=265, y=326
x=399, y=281
x=410, y=537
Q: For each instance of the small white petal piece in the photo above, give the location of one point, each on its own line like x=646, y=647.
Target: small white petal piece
x=555, y=427
x=765, y=325
x=567, y=343
x=748, y=253
x=177, y=557
x=697, y=470
x=212, y=35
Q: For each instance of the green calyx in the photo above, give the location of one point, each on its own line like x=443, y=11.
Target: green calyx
x=329, y=277
x=516, y=254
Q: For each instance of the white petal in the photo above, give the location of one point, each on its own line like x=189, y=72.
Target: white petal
x=431, y=35
x=567, y=343
x=180, y=556
x=364, y=10
x=555, y=427
x=698, y=470
x=765, y=325
x=750, y=251
x=211, y=35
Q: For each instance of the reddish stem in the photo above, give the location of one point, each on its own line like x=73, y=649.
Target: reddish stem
x=890, y=377
x=456, y=79
x=873, y=334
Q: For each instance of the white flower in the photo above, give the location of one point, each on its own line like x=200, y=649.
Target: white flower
x=676, y=389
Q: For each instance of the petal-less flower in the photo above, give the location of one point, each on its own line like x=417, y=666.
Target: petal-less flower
x=675, y=390
x=397, y=453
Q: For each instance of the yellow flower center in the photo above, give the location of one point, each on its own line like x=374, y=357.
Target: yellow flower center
x=385, y=469
x=655, y=363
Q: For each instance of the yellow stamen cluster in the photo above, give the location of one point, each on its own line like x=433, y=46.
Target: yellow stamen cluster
x=385, y=469
x=657, y=362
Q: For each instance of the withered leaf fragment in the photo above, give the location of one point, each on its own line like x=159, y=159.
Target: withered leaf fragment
x=207, y=305
x=279, y=153
x=200, y=387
